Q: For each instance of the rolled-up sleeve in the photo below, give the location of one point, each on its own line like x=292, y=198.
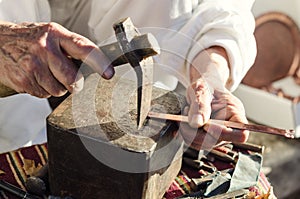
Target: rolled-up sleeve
x=183, y=28
x=230, y=24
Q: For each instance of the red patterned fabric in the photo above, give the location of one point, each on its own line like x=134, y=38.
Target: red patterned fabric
x=12, y=171
x=11, y=166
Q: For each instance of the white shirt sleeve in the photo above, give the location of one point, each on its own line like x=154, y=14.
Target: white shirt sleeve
x=183, y=29
x=229, y=24
x=226, y=23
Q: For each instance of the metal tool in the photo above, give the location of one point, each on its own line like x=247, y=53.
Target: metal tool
x=250, y=146
x=16, y=190
x=196, y=183
x=198, y=164
x=38, y=183
x=222, y=156
x=125, y=32
x=288, y=133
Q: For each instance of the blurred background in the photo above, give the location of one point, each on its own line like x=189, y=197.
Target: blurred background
x=281, y=155
x=290, y=7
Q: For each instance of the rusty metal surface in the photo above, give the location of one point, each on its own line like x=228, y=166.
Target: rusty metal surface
x=278, y=50
x=104, y=157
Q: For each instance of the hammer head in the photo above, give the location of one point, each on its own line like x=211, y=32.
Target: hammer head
x=143, y=67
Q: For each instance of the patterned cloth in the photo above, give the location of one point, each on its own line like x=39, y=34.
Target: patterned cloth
x=12, y=170
x=11, y=165
x=182, y=186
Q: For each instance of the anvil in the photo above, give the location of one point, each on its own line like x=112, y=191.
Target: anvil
x=94, y=155
x=95, y=149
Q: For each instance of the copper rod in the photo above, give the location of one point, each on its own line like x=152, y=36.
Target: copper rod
x=288, y=133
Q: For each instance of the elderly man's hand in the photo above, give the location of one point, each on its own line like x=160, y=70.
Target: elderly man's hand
x=36, y=59
x=208, y=97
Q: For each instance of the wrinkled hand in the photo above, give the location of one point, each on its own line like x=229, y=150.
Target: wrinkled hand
x=36, y=59
x=208, y=98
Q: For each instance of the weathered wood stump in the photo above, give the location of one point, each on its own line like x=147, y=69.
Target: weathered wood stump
x=96, y=151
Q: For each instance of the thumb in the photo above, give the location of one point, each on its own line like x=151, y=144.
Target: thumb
x=199, y=98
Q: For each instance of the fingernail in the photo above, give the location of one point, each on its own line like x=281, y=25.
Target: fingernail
x=109, y=72
x=197, y=121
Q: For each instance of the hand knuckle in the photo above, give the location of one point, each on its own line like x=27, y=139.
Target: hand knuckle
x=243, y=136
x=58, y=92
x=38, y=91
x=53, y=87
x=79, y=40
x=53, y=26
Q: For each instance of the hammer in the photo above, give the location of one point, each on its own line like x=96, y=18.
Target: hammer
x=143, y=46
